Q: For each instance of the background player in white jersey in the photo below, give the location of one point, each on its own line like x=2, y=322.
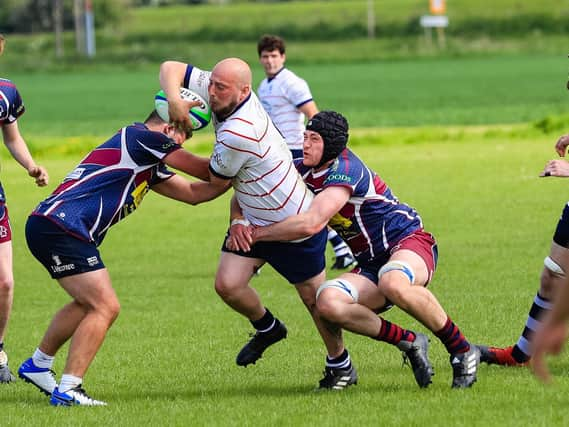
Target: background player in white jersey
x=64, y=233
x=396, y=257
x=251, y=155
x=11, y=107
x=288, y=100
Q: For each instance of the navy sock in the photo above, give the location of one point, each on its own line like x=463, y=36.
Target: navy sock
x=265, y=323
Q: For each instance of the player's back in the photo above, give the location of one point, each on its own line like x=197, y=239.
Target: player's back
x=109, y=183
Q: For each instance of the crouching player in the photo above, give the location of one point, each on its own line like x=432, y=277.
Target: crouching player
x=65, y=230
x=396, y=257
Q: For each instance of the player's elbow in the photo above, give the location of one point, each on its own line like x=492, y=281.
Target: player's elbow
x=311, y=227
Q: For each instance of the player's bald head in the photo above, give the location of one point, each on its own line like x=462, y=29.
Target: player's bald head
x=235, y=70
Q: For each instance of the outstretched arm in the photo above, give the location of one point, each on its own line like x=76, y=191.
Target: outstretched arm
x=19, y=151
x=323, y=207
x=189, y=163
x=194, y=193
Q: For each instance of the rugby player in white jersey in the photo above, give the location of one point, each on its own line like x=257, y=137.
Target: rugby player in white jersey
x=288, y=100
x=251, y=156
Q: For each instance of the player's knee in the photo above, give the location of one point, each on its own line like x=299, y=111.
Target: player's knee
x=6, y=286
x=396, y=271
x=329, y=305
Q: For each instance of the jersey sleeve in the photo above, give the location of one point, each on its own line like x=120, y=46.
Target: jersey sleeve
x=343, y=174
x=11, y=103
x=197, y=80
x=298, y=92
x=161, y=174
x=230, y=154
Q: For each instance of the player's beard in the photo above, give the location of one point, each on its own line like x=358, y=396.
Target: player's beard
x=224, y=112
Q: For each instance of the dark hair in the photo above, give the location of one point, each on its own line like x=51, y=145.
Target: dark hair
x=269, y=43
x=153, y=117
x=333, y=128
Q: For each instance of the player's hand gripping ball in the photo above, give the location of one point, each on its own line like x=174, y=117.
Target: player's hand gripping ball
x=200, y=115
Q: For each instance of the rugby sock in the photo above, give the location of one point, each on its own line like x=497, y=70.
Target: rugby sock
x=522, y=351
x=265, y=323
x=343, y=361
x=340, y=247
x=42, y=360
x=452, y=338
x=68, y=382
x=392, y=333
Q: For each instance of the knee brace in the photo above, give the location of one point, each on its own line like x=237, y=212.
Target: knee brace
x=342, y=285
x=401, y=266
x=553, y=266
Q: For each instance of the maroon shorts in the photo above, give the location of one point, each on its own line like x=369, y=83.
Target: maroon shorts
x=5, y=230
x=424, y=245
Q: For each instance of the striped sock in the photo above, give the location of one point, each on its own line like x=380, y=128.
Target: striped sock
x=340, y=247
x=452, y=338
x=392, y=333
x=522, y=351
x=343, y=361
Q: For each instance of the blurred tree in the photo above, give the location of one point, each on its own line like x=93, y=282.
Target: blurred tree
x=25, y=16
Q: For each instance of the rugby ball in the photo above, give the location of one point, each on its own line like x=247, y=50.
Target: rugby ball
x=200, y=115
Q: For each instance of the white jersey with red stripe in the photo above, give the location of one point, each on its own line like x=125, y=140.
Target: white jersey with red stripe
x=282, y=95
x=251, y=152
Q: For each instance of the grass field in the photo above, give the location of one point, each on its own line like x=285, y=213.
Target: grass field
x=169, y=358
x=443, y=91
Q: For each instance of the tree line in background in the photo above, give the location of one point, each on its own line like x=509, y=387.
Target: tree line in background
x=30, y=16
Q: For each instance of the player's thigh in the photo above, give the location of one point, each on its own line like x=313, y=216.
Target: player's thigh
x=92, y=289
x=235, y=270
x=6, y=274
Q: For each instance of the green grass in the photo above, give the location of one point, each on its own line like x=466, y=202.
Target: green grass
x=169, y=358
x=419, y=92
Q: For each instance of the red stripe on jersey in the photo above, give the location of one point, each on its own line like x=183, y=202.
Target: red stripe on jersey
x=250, y=138
x=242, y=120
x=263, y=176
x=291, y=165
x=8, y=84
x=64, y=185
x=278, y=207
x=245, y=151
x=103, y=157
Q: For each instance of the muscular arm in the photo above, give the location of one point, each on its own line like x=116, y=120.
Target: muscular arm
x=19, y=151
x=194, y=193
x=171, y=78
x=189, y=163
x=323, y=207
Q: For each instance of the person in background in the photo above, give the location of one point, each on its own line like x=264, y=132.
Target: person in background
x=288, y=101
x=11, y=108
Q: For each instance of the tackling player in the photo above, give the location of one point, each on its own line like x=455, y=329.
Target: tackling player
x=11, y=108
x=64, y=233
x=288, y=100
x=396, y=257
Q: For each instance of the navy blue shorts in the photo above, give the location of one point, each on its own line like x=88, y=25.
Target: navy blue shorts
x=561, y=236
x=296, y=262
x=59, y=252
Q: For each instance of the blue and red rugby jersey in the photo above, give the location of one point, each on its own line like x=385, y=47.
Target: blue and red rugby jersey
x=11, y=104
x=109, y=183
x=373, y=220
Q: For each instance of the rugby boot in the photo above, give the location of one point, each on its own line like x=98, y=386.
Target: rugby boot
x=260, y=341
